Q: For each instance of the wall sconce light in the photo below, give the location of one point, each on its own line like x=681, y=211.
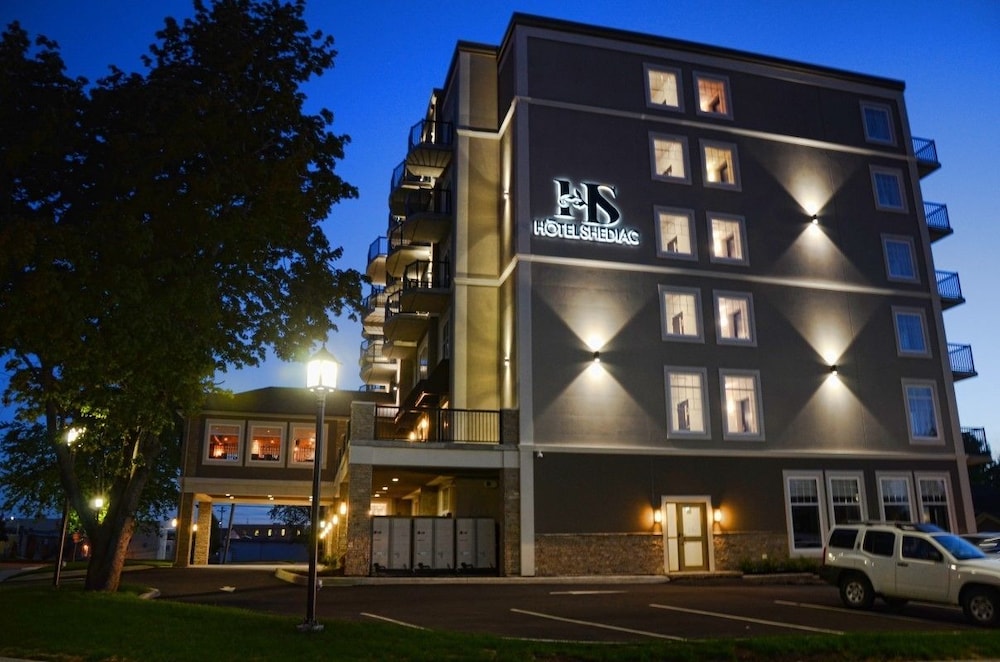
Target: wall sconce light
x=539, y=454
x=657, y=516
x=343, y=507
x=717, y=515
x=597, y=357
x=815, y=219
x=833, y=369
x=506, y=361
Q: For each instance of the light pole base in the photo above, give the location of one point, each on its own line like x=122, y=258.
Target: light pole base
x=309, y=626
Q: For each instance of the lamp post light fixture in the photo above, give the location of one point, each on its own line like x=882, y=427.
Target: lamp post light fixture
x=71, y=436
x=321, y=378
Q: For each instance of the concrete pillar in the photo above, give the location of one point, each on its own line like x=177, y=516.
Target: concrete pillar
x=182, y=543
x=359, y=534
x=428, y=502
x=204, y=537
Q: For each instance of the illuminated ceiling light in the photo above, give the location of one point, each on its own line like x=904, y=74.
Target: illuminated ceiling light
x=231, y=497
x=395, y=480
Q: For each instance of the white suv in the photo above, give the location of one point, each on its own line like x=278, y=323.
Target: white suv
x=900, y=562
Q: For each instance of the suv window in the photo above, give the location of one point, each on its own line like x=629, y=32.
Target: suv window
x=918, y=548
x=880, y=543
x=843, y=538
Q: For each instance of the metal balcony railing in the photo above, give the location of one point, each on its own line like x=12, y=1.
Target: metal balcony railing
x=949, y=287
x=403, y=178
x=937, y=218
x=379, y=247
x=429, y=132
x=427, y=274
x=926, y=152
x=375, y=300
x=960, y=359
x=442, y=425
x=975, y=442
x=435, y=201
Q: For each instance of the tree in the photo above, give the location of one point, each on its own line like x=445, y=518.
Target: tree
x=158, y=227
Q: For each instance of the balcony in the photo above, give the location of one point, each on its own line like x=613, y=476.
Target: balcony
x=977, y=450
x=403, y=181
x=426, y=287
x=476, y=426
x=430, y=148
x=403, y=252
x=927, y=159
x=938, y=224
x=377, y=252
x=949, y=288
x=425, y=217
x=373, y=311
x=402, y=327
x=960, y=359
x=375, y=367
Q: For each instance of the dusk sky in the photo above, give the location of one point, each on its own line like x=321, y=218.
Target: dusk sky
x=393, y=53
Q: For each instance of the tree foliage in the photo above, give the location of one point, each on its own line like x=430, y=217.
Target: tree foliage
x=156, y=227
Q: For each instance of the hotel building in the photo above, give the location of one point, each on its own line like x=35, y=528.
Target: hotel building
x=641, y=306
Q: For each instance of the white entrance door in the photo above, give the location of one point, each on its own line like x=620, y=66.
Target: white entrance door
x=686, y=535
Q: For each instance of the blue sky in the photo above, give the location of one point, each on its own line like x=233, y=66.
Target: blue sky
x=393, y=53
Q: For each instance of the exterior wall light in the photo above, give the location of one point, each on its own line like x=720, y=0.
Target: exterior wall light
x=657, y=516
x=833, y=369
x=815, y=219
x=597, y=357
x=717, y=515
x=506, y=361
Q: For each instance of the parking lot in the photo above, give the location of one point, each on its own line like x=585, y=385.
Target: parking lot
x=620, y=611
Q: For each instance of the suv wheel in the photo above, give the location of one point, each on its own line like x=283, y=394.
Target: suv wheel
x=856, y=591
x=981, y=606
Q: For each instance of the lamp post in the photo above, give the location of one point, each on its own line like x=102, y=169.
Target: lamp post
x=321, y=378
x=71, y=436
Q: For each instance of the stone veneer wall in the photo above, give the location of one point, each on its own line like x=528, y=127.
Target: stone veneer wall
x=359, y=528
x=568, y=554
x=598, y=554
x=510, y=527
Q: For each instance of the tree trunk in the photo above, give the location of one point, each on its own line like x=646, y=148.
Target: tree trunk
x=107, y=558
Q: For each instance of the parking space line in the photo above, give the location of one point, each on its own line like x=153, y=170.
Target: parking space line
x=861, y=612
x=584, y=592
x=604, y=626
x=393, y=621
x=747, y=619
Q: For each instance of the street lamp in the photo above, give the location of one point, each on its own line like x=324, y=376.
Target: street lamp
x=71, y=436
x=321, y=378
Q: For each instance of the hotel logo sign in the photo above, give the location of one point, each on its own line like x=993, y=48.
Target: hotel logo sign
x=586, y=213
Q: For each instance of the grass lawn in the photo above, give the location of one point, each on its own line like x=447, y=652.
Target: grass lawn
x=41, y=623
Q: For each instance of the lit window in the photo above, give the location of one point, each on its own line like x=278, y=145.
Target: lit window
x=681, y=314
x=675, y=233
x=742, y=417
x=894, y=498
x=887, y=183
x=721, y=165
x=713, y=95
x=669, y=154
x=663, y=88
x=877, y=120
x=921, y=410
x=734, y=316
x=846, y=499
x=686, y=402
x=805, y=517
x=223, y=441
x=266, y=443
x=911, y=332
x=935, y=505
x=303, y=445
x=900, y=263
x=728, y=238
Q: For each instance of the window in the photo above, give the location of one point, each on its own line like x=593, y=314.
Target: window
x=669, y=154
x=303, y=446
x=802, y=498
x=918, y=549
x=223, y=440
x=935, y=507
x=743, y=415
x=887, y=184
x=686, y=402
x=846, y=499
x=894, y=498
x=877, y=120
x=721, y=165
x=713, y=95
x=663, y=88
x=734, y=317
x=921, y=410
x=675, y=233
x=728, y=238
x=911, y=332
x=681, y=314
x=900, y=264
x=880, y=543
x=267, y=441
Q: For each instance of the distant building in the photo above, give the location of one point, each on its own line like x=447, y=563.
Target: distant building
x=642, y=306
